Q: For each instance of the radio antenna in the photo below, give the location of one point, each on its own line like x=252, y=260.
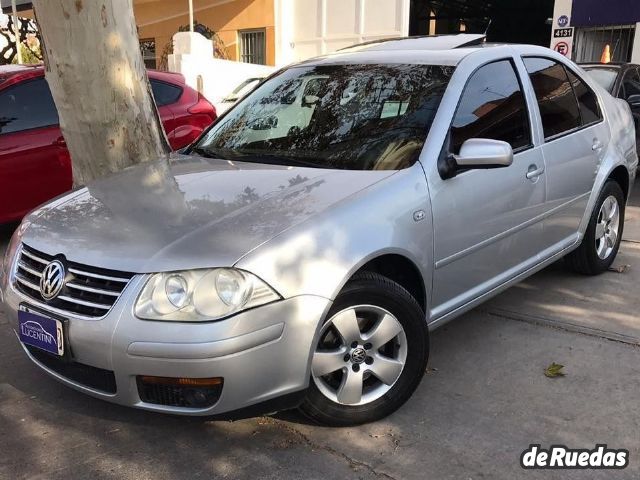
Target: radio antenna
x=486, y=30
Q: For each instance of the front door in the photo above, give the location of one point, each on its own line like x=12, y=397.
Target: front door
x=34, y=162
x=487, y=223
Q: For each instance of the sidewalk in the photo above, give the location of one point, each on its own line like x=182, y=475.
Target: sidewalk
x=605, y=305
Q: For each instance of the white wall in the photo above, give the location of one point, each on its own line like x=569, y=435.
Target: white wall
x=635, y=54
x=307, y=28
x=193, y=57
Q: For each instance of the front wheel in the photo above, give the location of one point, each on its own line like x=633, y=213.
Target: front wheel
x=370, y=356
x=604, y=233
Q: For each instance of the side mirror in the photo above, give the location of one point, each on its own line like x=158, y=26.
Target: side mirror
x=266, y=123
x=484, y=153
x=310, y=100
x=633, y=100
x=231, y=98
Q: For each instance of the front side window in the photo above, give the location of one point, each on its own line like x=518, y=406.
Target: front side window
x=558, y=105
x=492, y=106
x=27, y=105
x=356, y=117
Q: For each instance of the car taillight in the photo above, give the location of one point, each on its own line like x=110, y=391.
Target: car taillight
x=202, y=106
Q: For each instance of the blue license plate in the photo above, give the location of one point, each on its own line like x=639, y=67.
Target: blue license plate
x=41, y=332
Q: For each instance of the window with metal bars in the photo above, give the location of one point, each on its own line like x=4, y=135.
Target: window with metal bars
x=148, y=49
x=590, y=42
x=253, y=46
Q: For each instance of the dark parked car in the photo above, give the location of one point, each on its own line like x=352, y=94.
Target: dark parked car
x=622, y=80
x=34, y=161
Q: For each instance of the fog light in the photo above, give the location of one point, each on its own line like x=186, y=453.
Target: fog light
x=180, y=392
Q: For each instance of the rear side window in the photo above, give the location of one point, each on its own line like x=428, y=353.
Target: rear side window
x=587, y=100
x=165, y=93
x=558, y=105
x=27, y=105
x=492, y=106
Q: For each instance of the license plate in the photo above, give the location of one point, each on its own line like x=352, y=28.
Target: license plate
x=41, y=332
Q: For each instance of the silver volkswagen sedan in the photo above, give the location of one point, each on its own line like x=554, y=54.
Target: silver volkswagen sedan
x=299, y=253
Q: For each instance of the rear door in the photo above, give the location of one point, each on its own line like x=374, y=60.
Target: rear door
x=34, y=162
x=487, y=223
x=575, y=138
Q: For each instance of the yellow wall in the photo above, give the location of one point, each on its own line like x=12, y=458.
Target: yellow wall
x=160, y=19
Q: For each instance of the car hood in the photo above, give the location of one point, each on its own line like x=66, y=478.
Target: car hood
x=193, y=212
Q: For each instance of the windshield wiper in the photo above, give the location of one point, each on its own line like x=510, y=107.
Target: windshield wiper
x=208, y=153
x=240, y=156
x=274, y=159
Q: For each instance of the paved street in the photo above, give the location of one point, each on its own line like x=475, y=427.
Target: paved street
x=483, y=401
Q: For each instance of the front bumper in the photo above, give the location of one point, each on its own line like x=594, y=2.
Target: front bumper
x=261, y=354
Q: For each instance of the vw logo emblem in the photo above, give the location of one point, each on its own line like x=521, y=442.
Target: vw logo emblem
x=358, y=355
x=52, y=280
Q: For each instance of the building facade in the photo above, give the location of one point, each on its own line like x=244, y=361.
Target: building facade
x=582, y=29
x=267, y=32
x=245, y=29
x=277, y=32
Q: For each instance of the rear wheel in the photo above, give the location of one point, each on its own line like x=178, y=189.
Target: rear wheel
x=370, y=356
x=601, y=242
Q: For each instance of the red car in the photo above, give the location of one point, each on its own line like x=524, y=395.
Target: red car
x=35, y=165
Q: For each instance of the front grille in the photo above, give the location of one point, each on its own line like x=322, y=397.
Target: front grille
x=93, y=377
x=178, y=395
x=88, y=291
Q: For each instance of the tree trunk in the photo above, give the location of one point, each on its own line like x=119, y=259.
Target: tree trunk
x=99, y=84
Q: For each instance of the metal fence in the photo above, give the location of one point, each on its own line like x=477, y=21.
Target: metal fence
x=590, y=42
x=253, y=46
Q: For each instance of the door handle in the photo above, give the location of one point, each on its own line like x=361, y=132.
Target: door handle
x=597, y=145
x=534, y=172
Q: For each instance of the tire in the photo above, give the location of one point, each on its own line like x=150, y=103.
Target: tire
x=380, y=308
x=591, y=258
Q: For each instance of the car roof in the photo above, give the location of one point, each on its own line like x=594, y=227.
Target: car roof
x=448, y=50
x=610, y=66
x=10, y=74
x=424, y=42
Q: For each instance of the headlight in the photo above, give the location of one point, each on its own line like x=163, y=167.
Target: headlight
x=201, y=295
x=12, y=248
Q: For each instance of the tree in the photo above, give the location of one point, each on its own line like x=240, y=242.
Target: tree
x=99, y=84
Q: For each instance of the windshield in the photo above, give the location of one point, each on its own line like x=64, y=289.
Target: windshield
x=604, y=76
x=357, y=117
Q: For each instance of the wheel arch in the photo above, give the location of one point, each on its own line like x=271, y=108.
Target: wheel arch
x=621, y=175
x=401, y=270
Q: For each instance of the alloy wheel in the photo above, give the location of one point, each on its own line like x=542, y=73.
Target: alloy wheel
x=360, y=355
x=607, y=227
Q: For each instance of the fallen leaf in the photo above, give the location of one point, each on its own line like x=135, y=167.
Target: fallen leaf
x=620, y=268
x=554, y=370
